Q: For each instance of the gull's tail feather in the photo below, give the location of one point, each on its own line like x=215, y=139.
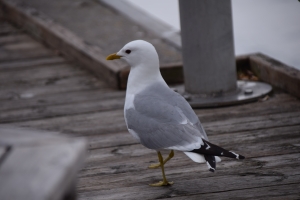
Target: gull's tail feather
x=211, y=162
x=210, y=150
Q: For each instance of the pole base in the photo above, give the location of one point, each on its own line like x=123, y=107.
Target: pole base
x=247, y=91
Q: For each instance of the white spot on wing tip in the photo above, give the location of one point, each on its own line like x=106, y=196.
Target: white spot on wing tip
x=237, y=155
x=209, y=166
x=208, y=147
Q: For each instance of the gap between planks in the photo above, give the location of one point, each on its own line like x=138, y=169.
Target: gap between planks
x=286, y=191
x=52, y=86
x=137, y=154
x=198, y=185
x=113, y=121
x=107, y=104
x=72, y=97
x=46, y=72
x=135, y=157
x=31, y=63
x=189, y=171
x=267, y=107
x=121, y=139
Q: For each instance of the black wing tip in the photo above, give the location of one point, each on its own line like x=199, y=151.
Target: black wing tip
x=212, y=170
x=241, y=157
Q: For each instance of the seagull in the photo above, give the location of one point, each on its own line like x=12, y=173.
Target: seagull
x=160, y=118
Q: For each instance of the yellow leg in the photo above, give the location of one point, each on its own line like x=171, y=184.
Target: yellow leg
x=164, y=182
x=157, y=165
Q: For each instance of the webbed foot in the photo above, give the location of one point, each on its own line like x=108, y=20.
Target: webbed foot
x=161, y=183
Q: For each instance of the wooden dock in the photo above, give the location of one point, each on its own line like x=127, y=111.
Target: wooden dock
x=42, y=90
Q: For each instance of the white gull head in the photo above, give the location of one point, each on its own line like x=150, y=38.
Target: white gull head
x=144, y=62
x=139, y=53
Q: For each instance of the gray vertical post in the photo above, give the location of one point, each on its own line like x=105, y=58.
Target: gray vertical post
x=207, y=44
x=208, y=56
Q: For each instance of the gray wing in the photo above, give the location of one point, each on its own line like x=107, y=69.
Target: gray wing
x=162, y=119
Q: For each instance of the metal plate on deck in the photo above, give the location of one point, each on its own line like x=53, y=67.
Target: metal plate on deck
x=247, y=91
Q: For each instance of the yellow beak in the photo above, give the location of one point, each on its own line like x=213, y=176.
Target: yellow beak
x=113, y=56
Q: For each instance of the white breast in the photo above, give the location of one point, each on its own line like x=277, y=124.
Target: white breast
x=129, y=101
x=128, y=104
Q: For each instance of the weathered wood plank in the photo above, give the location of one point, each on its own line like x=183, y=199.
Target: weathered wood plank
x=21, y=64
x=91, y=95
x=25, y=76
x=27, y=48
x=91, y=123
x=136, y=158
x=17, y=136
x=185, y=172
x=42, y=27
x=276, y=73
x=66, y=99
x=125, y=161
x=110, y=140
x=60, y=38
x=36, y=111
x=40, y=112
x=112, y=160
x=190, y=186
x=8, y=29
x=288, y=192
x=277, y=103
x=124, y=138
x=24, y=45
x=16, y=38
x=8, y=55
x=179, y=166
x=51, y=86
x=23, y=174
x=61, y=99
x=88, y=124
x=252, y=123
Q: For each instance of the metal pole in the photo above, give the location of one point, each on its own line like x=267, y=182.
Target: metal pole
x=207, y=44
x=208, y=56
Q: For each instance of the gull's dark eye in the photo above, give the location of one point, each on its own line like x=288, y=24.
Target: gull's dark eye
x=128, y=51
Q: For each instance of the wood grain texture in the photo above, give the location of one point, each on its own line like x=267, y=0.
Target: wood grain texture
x=289, y=191
x=61, y=38
x=14, y=38
x=13, y=65
x=40, y=165
x=21, y=49
x=50, y=86
x=86, y=48
x=50, y=93
x=8, y=29
x=276, y=73
x=40, y=73
x=71, y=97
